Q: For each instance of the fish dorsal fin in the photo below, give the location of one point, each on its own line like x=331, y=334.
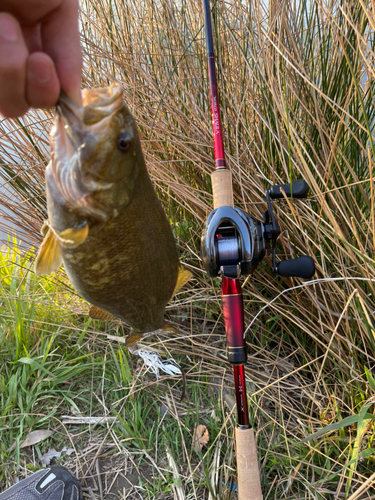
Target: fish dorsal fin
x=73, y=236
x=99, y=313
x=182, y=278
x=49, y=257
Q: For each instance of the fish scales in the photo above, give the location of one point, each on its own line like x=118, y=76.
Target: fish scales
x=106, y=223
x=140, y=260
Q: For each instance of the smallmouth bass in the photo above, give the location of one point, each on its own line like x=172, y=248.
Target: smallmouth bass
x=105, y=222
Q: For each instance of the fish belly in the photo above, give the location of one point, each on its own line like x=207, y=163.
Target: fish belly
x=129, y=267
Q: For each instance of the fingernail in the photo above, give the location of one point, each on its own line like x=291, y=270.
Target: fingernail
x=8, y=29
x=40, y=71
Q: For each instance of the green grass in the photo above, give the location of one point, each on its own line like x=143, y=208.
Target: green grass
x=55, y=363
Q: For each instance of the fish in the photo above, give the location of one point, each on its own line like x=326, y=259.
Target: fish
x=105, y=223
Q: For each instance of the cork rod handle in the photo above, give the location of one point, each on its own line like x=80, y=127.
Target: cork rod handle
x=222, y=188
x=249, y=487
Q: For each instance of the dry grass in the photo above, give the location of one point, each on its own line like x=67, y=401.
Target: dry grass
x=296, y=83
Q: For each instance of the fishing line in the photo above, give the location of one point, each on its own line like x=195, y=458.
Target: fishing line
x=229, y=250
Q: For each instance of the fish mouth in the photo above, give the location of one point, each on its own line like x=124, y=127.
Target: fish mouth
x=70, y=120
x=99, y=105
x=104, y=100
x=67, y=109
x=78, y=124
x=81, y=143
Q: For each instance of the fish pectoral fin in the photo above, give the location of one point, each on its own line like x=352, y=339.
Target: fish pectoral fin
x=73, y=236
x=99, y=313
x=168, y=328
x=49, y=257
x=44, y=228
x=182, y=278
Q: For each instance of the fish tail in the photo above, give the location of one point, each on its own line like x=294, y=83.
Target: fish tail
x=135, y=336
x=132, y=340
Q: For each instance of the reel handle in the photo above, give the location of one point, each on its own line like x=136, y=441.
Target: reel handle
x=300, y=189
x=303, y=267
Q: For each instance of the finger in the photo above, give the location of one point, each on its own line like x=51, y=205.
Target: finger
x=30, y=12
x=42, y=84
x=13, y=56
x=60, y=37
x=32, y=37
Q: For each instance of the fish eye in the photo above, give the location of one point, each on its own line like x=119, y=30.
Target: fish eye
x=124, y=142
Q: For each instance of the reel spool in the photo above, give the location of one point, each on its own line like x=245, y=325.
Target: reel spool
x=233, y=242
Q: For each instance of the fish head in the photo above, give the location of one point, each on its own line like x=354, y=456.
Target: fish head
x=96, y=150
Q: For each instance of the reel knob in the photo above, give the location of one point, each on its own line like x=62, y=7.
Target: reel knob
x=300, y=189
x=303, y=267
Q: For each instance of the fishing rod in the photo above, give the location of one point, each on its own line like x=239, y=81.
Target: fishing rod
x=233, y=244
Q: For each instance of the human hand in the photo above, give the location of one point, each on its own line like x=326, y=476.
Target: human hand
x=40, y=54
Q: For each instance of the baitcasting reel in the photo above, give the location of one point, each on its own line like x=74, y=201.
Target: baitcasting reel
x=233, y=242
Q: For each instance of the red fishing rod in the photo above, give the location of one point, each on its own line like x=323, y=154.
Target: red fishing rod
x=233, y=243
x=223, y=196
x=231, y=294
